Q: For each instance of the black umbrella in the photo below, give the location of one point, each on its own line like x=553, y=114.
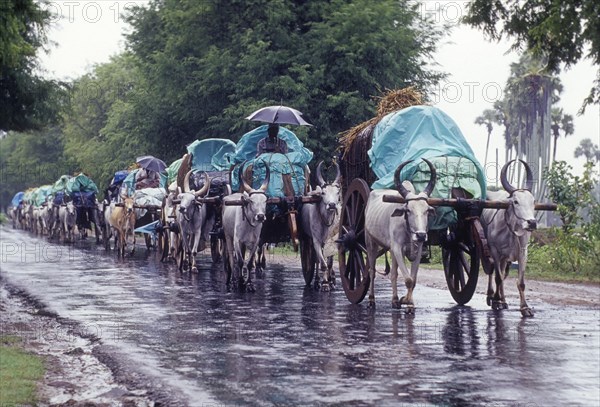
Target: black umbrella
x=278, y=114
x=151, y=163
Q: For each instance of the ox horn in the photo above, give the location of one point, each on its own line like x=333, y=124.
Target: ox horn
x=432, y=177
x=338, y=173
x=204, y=190
x=265, y=183
x=186, y=182
x=243, y=182
x=320, y=180
x=403, y=191
x=504, y=180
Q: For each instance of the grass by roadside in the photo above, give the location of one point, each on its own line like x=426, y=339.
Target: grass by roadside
x=19, y=373
x=3, y=218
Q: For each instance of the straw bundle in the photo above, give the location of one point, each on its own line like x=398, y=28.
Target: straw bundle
x=391, y=101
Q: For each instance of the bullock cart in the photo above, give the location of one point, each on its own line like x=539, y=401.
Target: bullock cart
x=206, y=159
x=284, y=179
x=385, y=152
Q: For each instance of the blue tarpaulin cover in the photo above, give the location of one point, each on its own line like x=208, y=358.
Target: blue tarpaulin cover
x=17, y=199
x=426, y=132
x=211, y=154
x=292, y=163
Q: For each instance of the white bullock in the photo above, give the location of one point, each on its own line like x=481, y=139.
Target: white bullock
x=401, y=229
x=191, y=216
x=317, y=220
x=508, y=232
x=67, y=216
x=242, y=225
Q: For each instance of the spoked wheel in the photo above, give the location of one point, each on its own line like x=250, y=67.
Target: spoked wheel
x=216, y=248
x=307, y=258
x=352, y=252
x=461, y=264
x=162, y=251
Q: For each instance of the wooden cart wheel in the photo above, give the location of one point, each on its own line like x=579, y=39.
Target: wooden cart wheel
x=461, y=257
x=352, y=252
x=216, y=248
x=162, y=251
x=307, y=258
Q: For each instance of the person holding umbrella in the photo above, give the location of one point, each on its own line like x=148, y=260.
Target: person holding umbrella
x=272, y=143
x=149, y=174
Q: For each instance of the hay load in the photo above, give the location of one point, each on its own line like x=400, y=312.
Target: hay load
x=355, y=143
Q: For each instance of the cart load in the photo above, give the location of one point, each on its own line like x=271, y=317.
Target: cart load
x=213, y=156
x=59, y=189
x=287, y=171
x=426, y=132
x=17, y=199
x=40, y=194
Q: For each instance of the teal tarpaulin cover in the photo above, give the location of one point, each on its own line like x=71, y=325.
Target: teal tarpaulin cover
x=60, y=184
x=426, y=132
x=81, y=183
x=292, y=163
x=40, y=194
x=211, y=154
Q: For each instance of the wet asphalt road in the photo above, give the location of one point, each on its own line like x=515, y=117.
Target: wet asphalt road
x=286, y=345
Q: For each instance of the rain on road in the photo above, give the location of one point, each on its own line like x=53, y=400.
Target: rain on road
x=286, y=345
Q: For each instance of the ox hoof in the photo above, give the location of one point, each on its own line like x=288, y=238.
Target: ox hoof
x=527, y=312
x=396, y=304
x=250, y=287
x=499, y=305
x=326, y=287
x=409, y=309
x=371, y=303
x=194, y=269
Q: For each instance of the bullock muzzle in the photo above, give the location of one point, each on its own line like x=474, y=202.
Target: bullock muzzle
x=420, y=236
x=531, y=225
x=260, y=217
x=331, y=206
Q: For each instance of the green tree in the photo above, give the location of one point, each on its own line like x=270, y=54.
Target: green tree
x=561, y=31
x=210, y=64
x=27, y=101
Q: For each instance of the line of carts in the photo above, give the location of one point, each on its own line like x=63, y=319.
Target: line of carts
x=459, y=200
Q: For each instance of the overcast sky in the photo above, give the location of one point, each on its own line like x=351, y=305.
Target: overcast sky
x=89, y=32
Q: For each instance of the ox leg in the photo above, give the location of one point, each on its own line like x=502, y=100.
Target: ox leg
x=325, y=283
x=252, y=254
x=371, y=259
x=410, y=278
x=394, y=280
x=194, y=251
x=498, y=298
x=525, y=310
x=238, y=262
x=490, y=289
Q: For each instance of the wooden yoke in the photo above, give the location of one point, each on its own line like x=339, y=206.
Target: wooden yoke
x=481, y=203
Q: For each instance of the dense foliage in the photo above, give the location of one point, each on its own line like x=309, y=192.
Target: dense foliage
x=574, y=250
x=196, y=69
x=27, y=101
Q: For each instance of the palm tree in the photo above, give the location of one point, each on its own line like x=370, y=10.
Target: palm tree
x=530, y=92
x=560, y=121
x=588, y=149
x=488, y=118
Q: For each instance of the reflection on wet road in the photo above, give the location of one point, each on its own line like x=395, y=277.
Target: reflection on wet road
x=285, y=345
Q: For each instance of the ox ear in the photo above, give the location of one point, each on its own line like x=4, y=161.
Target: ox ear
x=399, y=211
x=431, y=211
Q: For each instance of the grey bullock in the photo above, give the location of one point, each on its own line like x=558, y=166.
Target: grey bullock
x=191, y=216
x=67, y=216
x=508, y=232
x=401, y=229
x=242, y=225
x=318, y=218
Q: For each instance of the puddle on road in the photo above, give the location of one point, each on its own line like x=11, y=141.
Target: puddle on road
x=287, y=345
